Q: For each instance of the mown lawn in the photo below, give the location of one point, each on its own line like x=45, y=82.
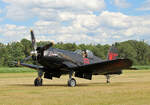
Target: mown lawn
x=15, y=70
x=139, y=67
x=130, y=88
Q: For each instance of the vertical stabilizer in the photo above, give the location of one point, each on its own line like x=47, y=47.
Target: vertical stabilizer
x=112, y=53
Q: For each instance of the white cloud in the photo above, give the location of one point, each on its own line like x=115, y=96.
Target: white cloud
x=73, y=21
x=10, y=32
x=0, y=11
x=114, y=19
x=90, y=28
x=145, y=6
x=49, y=9
x=1, y=19
x=121, y=3
x=117, y=36
x=57, y=4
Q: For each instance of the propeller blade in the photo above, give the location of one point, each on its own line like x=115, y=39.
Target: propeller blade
x=33, y=40
x=25, y=59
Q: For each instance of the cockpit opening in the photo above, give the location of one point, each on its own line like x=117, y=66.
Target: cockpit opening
x=85, y=53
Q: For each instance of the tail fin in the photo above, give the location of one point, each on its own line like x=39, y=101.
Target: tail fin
x=112, y=53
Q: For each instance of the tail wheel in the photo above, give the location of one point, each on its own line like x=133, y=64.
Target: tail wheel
x=38, y=82
x=72, y=82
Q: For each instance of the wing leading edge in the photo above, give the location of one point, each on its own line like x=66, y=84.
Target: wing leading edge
x=36, y=67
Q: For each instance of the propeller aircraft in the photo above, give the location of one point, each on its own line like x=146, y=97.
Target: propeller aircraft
x=83, y=64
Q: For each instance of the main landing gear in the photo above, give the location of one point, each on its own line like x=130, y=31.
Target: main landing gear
x=108, y=78
x=71, y=81
x=39, y=81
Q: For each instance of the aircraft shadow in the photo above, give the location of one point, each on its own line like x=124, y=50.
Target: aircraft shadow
x=65, y=85
x=49, y=85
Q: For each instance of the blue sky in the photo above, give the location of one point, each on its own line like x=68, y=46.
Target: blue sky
x=76, y=21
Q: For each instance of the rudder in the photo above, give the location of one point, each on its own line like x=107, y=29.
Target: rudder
x=112, y=53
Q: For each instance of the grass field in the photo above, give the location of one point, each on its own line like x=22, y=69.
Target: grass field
x=130, y=88
x=140, y=67
x=15, y=70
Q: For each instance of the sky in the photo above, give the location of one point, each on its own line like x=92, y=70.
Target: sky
x=75, y=21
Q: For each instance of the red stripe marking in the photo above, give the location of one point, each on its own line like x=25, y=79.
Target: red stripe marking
x=112, y=56
x=86, y=61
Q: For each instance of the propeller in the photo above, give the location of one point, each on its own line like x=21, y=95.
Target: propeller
x=34, y=46
x=36, y=50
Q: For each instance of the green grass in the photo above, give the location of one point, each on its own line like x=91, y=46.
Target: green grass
x=15, y=70
x=140, y=67
x=130, y=88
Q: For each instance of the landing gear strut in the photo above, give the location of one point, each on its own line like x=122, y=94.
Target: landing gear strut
x=39, y=81
x=108, y=78
x=71, y=81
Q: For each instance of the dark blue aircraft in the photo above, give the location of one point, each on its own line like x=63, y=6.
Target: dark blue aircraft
x=83, y=64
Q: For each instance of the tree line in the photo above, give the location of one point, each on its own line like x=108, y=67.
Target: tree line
x=137, y=51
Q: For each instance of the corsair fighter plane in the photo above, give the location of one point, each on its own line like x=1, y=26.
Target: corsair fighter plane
x=83, y=64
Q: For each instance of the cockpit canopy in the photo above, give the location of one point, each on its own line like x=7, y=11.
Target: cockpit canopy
x=88, y=52
x=78, y=52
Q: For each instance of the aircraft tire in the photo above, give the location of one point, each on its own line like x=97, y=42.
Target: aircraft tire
x=38, y=82
x=72, y=82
